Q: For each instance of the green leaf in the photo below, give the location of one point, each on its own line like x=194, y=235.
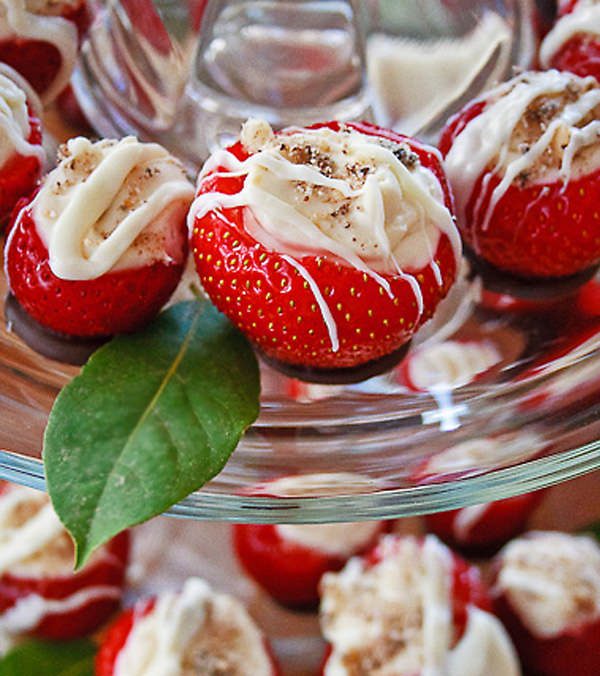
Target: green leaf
x=593, y=529
x=34, y=658
x=150, y=419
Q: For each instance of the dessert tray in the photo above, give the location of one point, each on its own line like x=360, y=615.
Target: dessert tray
x=488, y=403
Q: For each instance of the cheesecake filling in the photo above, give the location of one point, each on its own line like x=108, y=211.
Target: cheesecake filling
x=552, y=581
x=196, y=631
x=17, y=20
x=584, y=19
x=332, y=539
x=109, y=206
x=395, y=617
x=362, y=199
x=537, y=129
x=14, y=123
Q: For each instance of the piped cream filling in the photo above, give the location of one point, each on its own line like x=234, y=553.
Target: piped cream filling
x=333, y=539
x=396, y=618
x=14, y=123
x=584, y=19
x=451, y=363
x=33, y=542
x=552, y=580
x=17, y=21
x=194, y=632
x=110, y=206
x=366, y=201
x=484, y=145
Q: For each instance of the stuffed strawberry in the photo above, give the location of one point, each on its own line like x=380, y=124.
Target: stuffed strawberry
x=39, y=593
x=327, y=246
x=524, y=163
x=547, y=592
x=412, y=607
x=289, y=560
x=481, y=529
x=21, y=153
x=573, y=44
x=195, y=631
x=39, y=39
x=103, y=244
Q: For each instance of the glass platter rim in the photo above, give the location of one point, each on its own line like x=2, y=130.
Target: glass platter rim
x=483, y=484
x=505, y=482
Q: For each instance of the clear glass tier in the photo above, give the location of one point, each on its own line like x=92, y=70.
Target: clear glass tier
x=187, y=74
x=489, y=402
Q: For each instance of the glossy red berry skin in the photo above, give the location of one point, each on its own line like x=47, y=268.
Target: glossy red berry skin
x=287, y=571
x=501, y=521
x=117, y=302
x=19, y=175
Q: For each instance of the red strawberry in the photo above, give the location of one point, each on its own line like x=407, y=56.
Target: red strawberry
x=20, y=174
x=227, y=641
x=289, y=561
x=588, y=299
x=120, y=300
x=38, y=593
x=482, y=529
x=312, y=308
x=573, y=43
x=547, y=592
x=521, y=162
x=45, y=63
x=379, y=614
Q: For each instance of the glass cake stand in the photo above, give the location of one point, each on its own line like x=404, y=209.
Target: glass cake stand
x=495, y=398
x=489, y=402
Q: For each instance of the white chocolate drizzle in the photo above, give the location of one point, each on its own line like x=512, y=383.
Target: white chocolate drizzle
x=397, y=617
x=482, y=147
x=161, y=643
x=552, y=580
x=585, y=18
x=392, y=216
x=16, y=21
x=101, y=197
x=14, y=122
